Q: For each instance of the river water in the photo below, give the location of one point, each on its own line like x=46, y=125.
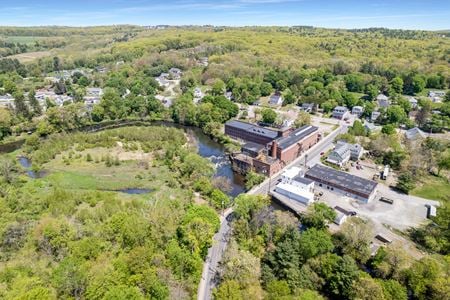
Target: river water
x=206, y=147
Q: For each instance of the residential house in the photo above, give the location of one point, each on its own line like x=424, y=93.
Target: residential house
x=100, y=69
x=203, y=61
x=175, y=73
x=357, y=110
x=383, y=101
x=375, y=115
x=340, y=112
x=432, y=94
x=229, y=95
x=343, y=152
x=371, y=127
x=94, y=91
x=198, y=94
x=414, y=134
x=307, y=107
x=276, y=99
x=413, y=101
x=6, y=101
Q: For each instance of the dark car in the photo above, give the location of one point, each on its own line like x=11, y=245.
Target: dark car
x=386, y=200
x=352, y=213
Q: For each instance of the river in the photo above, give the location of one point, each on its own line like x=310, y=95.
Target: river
x=206, y=147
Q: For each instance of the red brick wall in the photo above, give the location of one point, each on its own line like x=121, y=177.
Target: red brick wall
x=296, y=150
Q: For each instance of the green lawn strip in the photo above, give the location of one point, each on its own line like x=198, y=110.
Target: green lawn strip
x=433, y=187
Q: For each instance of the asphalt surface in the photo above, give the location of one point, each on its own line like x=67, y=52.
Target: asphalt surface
x=220, y=241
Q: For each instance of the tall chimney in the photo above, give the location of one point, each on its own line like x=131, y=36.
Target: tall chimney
x=274, y=149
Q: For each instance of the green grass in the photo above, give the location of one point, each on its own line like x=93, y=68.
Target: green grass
x=433, y=187
x=24, y=39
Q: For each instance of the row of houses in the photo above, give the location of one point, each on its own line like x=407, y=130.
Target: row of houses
x=93, y=96
x=267, y=150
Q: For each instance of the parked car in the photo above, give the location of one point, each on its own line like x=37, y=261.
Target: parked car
x=322, y=153
x=387, y=200
x=352, y=213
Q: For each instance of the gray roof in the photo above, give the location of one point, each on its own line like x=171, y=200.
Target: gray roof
x=254, y=147
x=296, y=136
x=302, y=179
x=255, y=129
x=342, y=179
x=414, y=133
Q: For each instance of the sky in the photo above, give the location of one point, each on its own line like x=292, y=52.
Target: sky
x=403, y=14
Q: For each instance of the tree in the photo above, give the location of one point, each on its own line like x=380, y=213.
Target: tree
x=372, y=91
x=318, y=215
x=357, y=129
x=418, y=83
x=303, y=119
x=124, y=292
x=228, y=290
x=266, y=89
x=252, y=179
x=396, y=85
x=70, y=278
x=424, y=279
x=388, y=129
x=314, y=242
x=395, y=114
x=268, y=116
x=7, y=169
x=406, y=182
x=218, y=88
x=21, y=107
x=366, y=288
x=354, y=239
x=5, y=123
x=392, y=289
x=443, y=163
x=34, y=103
x=56, y=64
x=390, y=262
x=247, y=205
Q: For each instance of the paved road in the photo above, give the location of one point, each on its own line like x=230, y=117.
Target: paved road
x=207, y=282
x=312, y=157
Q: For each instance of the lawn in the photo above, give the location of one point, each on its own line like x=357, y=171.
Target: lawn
x=433, y=187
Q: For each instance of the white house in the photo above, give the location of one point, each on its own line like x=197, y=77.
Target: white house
x=432, y=94
x=94, y=92
x=175, y=73
x=383, y=101
x=413, y=101
x=289, y=174
x=307, y=107
x=374, y=116
x=340, y=112
x=343, y=152
x=357, y=110
x=6, y=101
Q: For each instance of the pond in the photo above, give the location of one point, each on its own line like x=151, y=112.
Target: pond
x=26, y=164
x=207, y=148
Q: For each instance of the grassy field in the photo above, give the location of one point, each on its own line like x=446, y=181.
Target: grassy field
x=30, y=56
x=433, y=187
